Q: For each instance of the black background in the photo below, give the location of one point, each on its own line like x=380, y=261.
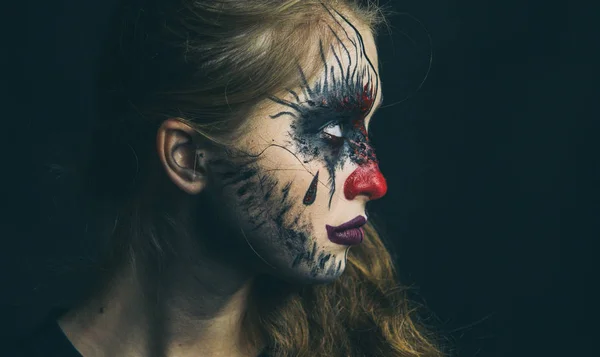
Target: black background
x=490, y=161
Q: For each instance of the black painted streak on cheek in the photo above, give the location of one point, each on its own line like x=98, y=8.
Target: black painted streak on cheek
x=311, y=193
x=285, y=191
x=307, y=256
x=231, y=178
x=314, y=251
x=323, y=259
x=331, y=270
x=258, y=225
x=244, y=188
x=331, y=185
x=256, y=194
x=284, y=209
x=297, y=260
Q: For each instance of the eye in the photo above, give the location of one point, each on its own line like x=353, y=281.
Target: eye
x=332, y=133
x=333, y=129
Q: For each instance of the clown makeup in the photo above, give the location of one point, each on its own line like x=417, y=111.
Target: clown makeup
x=298, y=181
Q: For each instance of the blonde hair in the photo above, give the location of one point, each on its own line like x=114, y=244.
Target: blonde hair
x=208, y=63
x=365, y=312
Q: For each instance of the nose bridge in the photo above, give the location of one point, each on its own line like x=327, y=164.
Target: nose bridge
x=366, y=180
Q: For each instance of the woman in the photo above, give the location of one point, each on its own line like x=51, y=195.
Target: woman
x=233, y=148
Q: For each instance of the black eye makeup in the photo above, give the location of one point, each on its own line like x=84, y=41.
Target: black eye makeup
x=328, y=116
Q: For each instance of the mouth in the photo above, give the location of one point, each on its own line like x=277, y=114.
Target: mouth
x=349, y=233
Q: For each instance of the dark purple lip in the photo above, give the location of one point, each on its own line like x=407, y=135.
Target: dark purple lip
x=348, y=233
x=357, y=222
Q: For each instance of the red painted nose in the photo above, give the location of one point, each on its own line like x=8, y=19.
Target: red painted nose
x=365, y=180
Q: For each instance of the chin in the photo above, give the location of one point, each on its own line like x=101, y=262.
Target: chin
x=314, y=263
x=309, y=276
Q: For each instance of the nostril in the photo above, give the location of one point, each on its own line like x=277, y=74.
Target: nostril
x=366, y=180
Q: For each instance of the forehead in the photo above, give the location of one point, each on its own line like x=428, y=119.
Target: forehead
x=351, y=32
x=350, y=58
x=339, y=71
x=349, y=47
x=342, y=63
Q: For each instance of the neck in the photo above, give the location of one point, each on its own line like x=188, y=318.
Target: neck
x=182, y=310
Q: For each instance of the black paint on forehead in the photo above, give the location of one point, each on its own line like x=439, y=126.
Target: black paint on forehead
x=353, y=89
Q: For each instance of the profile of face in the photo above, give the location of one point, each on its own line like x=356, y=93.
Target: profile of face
x=296, y=182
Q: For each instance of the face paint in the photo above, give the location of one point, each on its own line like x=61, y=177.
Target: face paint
x=342, y=99
x=311, y=193
x=365, y=180
x=272, y=191
x=264, y=202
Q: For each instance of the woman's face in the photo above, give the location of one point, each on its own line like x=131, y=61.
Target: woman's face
x=298, y=180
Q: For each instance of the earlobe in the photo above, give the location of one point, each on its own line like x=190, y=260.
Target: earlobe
x=180, y=155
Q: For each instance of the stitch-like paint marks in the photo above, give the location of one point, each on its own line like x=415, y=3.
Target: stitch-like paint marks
x=311, y=193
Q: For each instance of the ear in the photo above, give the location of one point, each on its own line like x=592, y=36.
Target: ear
x=179, y=151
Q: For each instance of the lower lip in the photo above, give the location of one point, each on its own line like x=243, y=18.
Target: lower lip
x=353, y=236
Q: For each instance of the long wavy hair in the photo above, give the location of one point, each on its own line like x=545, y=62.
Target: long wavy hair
x=208, y=62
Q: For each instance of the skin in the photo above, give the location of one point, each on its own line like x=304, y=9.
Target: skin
x=302, y=162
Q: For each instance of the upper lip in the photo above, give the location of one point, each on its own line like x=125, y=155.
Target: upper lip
x=356, y=222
